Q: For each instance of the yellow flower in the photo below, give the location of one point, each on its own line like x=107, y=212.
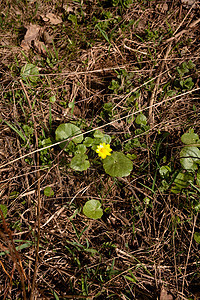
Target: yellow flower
x=103, y=150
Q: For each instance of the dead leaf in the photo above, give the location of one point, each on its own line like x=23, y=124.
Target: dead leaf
x=118, y=125
x=188, y=3
x=32, y=34
x=163, y=7
x=68, y=8
x=47, y=38
x=164, y=295
x=53, y=19
x=40, y=47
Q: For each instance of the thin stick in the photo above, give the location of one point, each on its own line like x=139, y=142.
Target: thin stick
x=38, y=212
x=188, y=255
x=153, y=95
x=14, y=255
x=102, y=126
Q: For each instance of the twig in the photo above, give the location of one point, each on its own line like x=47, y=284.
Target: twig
x=188, y=255
x=15, y=255
x=102, y=126
x=38, y=212
x=153, y=95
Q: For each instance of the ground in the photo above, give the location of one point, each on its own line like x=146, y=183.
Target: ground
x=121, y=72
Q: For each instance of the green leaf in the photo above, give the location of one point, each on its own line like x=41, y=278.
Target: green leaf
x=98, y=134
x=19, y=132
x=73, y=19
x=197, y=207
x=181, y=181
x=164, y=171
x=197, y=237
x=139, y=131
x=67, y=130
x=13, y=195
x=92, y=209
x=4, y=209
x=141, y=119
x=190, y=138
x=106, y=139
x=79, y=162
x=48, y=191
x=52, y=99
x=198, y=178
x=80, y=149
x=164, y=186
x=136, y=142
x=190, y=64
x=189, y=157
x=188, y=83
x=117, y=165
x=134, y=279
x=88, y=142
x=55, y=295
x=46, y=142
x=20, y=247
x=28, y=130
x=30, y=71
x=132, y=156
x=91, y=251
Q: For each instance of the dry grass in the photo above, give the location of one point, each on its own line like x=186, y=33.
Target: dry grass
x=138, y=248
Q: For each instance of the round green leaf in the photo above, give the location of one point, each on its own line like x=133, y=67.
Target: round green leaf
x=117, y=165
x=106, y=139
x=98, y=134
x=141, y=119
x=67, y=130
x=197, y=237
x=88, y=142
x=30, y=71
x=52, y=99
x=189, y=157
x=92, y=209
x=48, y=191
x=79, y=162
x=190, y=138
x=80, y=149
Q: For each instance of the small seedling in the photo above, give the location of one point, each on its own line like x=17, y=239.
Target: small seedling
x=48, y=191
x=92, y=209
x=30, y=72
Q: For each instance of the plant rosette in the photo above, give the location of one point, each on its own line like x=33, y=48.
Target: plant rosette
x=115, y=164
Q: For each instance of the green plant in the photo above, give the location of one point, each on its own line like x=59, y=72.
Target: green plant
x=189, y=159
x=30, y=72
x=181, y=82
x=123, y=82
x=115, y=164
x=92, y=209
x=190, y=154
x=48, y=191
